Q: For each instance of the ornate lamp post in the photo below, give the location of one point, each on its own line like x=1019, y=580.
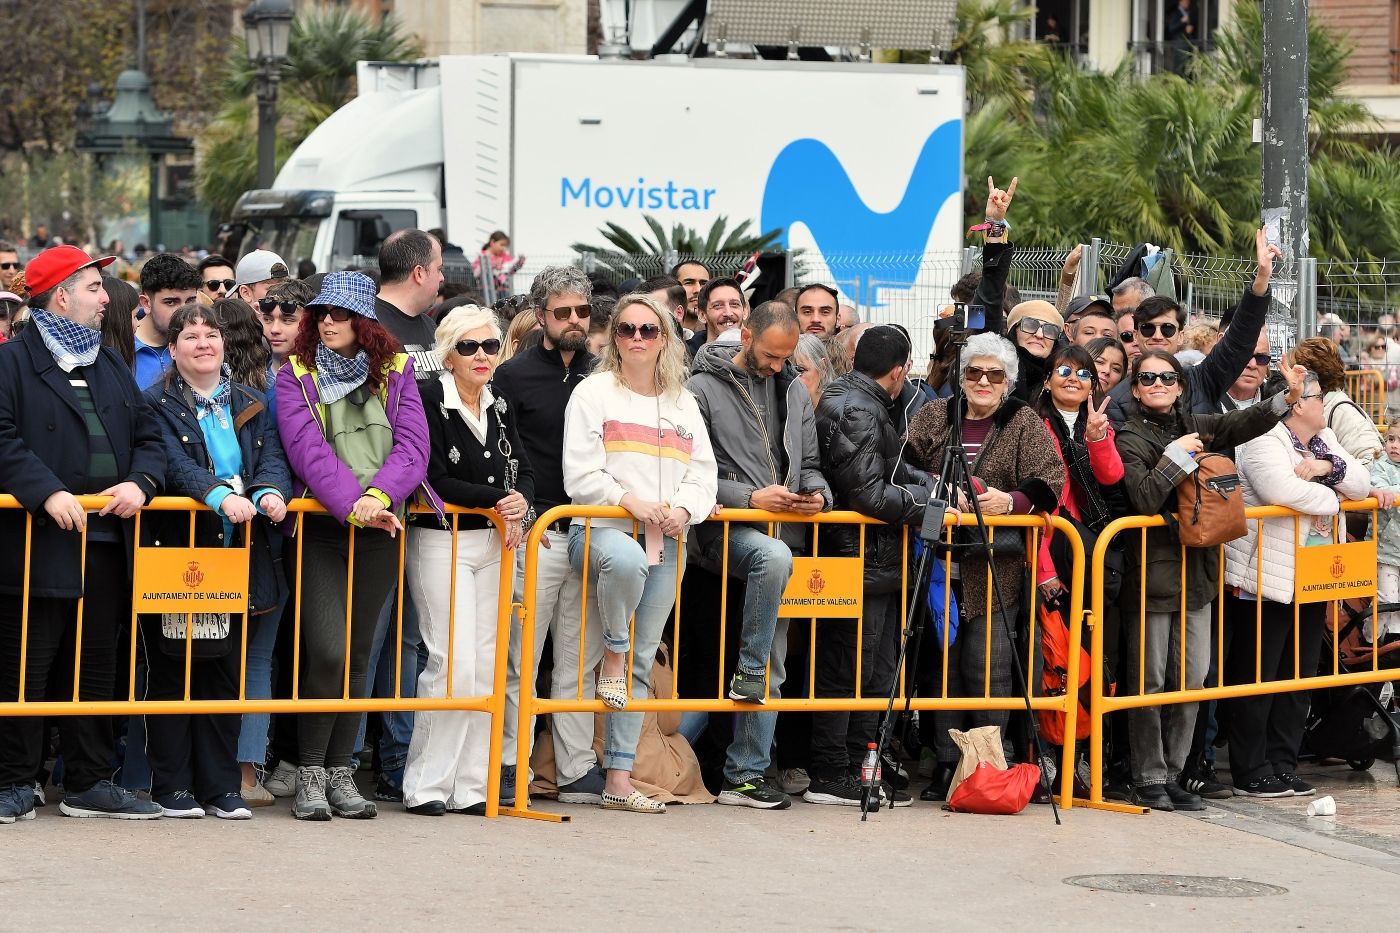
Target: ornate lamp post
x=267, y=26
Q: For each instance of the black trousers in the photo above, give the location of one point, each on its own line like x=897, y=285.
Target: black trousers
x=284, y=743
x=196, y=753
x=85, y=741
x=839, y=739
x=1266, y=731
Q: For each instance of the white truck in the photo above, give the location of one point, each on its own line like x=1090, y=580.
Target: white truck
x=849, y=161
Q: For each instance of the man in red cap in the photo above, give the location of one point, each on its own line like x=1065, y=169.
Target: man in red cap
x=71, y=423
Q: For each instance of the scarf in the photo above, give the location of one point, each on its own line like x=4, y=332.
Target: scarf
x=217, y=403
x=71, y=344
x=337, y=377
x=1321, y=451
x=1081, y=471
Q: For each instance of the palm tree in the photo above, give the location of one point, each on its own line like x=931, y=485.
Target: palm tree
x=318, y=78
x=630, y=255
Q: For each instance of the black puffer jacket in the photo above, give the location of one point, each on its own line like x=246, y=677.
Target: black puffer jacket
x=858, y=430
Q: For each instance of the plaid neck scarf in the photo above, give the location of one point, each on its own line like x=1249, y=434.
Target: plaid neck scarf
x=218, y=402
x=72, y=345
x=337, y=377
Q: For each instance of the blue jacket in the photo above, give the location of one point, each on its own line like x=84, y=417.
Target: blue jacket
x=188, y=473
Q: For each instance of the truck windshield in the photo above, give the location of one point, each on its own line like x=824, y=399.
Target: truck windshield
x=292, y=238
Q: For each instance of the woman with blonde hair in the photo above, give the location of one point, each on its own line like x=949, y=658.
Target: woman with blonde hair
x=476, y=461
x=520, y=325
x=633, y=437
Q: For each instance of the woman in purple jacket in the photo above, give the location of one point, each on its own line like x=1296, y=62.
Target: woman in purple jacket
x=352, y=424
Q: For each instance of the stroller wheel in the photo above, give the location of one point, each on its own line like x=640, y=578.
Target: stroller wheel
x=1361, y=764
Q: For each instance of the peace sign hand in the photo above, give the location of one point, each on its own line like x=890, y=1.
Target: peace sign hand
x=1096, y=428
x=998, y=200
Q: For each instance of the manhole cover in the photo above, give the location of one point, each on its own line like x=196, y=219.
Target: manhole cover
x=1176, y=885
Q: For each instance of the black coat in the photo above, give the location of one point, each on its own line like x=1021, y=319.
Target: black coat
x=466, y=472
x=858, y=431
x=44, y=449
x=189, y=472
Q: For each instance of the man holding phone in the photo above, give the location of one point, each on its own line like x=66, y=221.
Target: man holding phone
x=764, y=436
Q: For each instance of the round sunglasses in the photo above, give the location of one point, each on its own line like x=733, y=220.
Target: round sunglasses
x=627, y=330
x=1064, y=372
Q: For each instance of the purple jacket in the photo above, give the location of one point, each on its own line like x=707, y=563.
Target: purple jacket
x=300, y=419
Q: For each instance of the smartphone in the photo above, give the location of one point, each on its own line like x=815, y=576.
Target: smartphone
x=810, y=490
x=969, y=316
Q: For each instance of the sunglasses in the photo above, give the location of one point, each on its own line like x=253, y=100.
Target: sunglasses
x=1126, y=336
x=491, y=345
x=627, y=330
x=1064, y=372
x=339, y=315
x=562, y=313
x=976, y=374
x=288, y=307
x=215, y=285
x=10, y=266
x=1261, y=359
x=1147, y=379
x=1150, y=330
x=1030, y=325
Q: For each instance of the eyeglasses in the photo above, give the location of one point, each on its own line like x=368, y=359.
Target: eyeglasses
x=1302, y=398
x=976, y=374
x=1150, y=330
x=1261, y=359
x=562, y=313
x=289, y=308
x=627, y=330
x=1064, y=372
x=491, y=345
x=339, y=315
x=1147, y=379
x=1030, y=325
x=215, y=285
x=1126, y=336
x=11, y=266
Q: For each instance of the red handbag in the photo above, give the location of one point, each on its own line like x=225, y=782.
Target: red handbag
x=992, y=790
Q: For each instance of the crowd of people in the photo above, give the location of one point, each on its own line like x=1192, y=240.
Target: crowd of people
x=244, y=387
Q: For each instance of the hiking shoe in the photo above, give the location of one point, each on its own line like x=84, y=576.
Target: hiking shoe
x=345, y=797
x=587, y=789
x=16, y=803
x=179, y=805
x=747, y=688
x=310, y=802
x=1267, y=786
x=1203, y=783
x=1154, y=796
x=842, y=790
x=1183, y=799
x=508, y=784
x=282, y=782
x=105, y=800
x=1300, y=787
x=386, y=789
x=794, y=780
x=228, y=807
x=758, y=793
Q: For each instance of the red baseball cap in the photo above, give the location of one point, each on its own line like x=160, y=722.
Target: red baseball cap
x=55, y=264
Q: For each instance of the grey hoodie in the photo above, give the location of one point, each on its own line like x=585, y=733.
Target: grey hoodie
x=740, y=435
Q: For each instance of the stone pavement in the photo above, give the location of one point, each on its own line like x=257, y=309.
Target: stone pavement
x=710, y=867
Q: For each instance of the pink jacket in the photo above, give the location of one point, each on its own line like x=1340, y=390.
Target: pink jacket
x=1108, y=469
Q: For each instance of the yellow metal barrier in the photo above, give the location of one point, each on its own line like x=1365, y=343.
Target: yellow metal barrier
x=1031, y=526
x=1102, y=704
x=492, y=704
x=1366, y=387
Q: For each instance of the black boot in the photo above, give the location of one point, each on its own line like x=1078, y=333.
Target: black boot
x=942, y=777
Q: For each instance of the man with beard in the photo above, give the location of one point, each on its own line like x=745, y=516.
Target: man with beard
x=722, y=307
x=764, y=435
x=537, y=383
x=817, y=310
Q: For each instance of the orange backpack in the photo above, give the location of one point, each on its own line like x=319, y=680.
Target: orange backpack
x=1054, y=678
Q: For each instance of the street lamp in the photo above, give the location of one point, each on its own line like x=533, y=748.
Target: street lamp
x=267, y=27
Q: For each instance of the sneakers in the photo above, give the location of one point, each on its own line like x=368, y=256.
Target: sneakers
x=587, y=789
x=841, y=790
x=179, y=805
x=228, y=807
x=1267, y=786
x=1154, y=796
x=310, y=802
x=105, y=800
x=1183, y=799
x=1203, y=783
x=758, y=793
x=16, y=803
x=386, y=789
x=255, y=795
x=508, y=784
x=747, y=688
x=794, y=780
x=345, y=798
x=282, y=782
x=1300, y=787
x=888, y=791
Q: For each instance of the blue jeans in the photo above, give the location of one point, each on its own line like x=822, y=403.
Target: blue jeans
x=397, y=726
x=749, y=753
x=262, y=639
x=623, y=588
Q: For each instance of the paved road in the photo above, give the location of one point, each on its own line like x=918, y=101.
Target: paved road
x=705, y=868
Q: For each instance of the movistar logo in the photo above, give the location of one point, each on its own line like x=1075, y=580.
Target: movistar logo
x=808, y=184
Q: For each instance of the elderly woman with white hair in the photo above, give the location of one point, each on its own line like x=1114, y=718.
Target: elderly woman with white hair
x=1016, y=471
x=475, y=461
x=812, y=361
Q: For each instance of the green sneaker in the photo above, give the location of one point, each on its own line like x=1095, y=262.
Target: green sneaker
x=747, y=688
x=757, y=793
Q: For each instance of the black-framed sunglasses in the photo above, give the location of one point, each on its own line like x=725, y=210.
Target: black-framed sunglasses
x=1147, y=379
x=339, y=315
x=976, y=374
x=11, y=266
x=1126, y=336
x=627, y=330
x=491, y=345
x=562, y=312
x=1261, y=359
x=215, y=285
x=1030, y=325
x=286, y=305
x=1150, y=330
x=1064, y=372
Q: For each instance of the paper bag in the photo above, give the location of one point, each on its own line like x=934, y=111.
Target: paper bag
x=977, y=745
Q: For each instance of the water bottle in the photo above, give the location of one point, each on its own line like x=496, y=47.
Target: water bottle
x=870, y=775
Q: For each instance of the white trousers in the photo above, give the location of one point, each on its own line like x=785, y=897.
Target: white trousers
x=1387, y=591
x=449, y=752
